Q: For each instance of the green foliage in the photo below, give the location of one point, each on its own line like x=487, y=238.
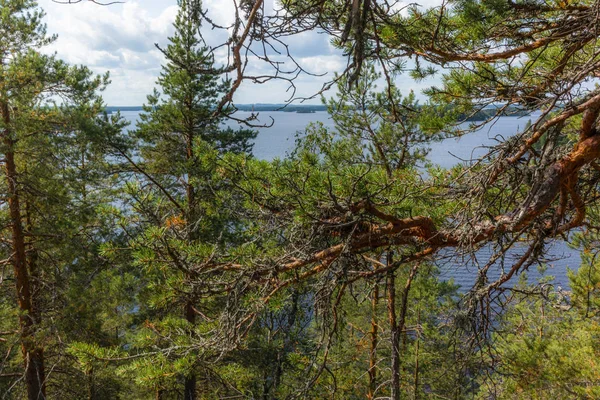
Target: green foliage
x=180, y=213
x=545, y=348
x=169, y=256
x=59, y=144
x=431, y=305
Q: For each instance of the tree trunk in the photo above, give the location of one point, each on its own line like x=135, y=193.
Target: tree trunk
x=33, y=355
x=91, y=385
x=189, y=389
x=266, y=386
x=403, y=313
x=374, y=338
x=395, y=333
x=35, y=287
x=416, y=380
x=190, y=314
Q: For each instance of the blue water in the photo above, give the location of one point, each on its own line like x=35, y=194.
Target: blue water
x=279, y=140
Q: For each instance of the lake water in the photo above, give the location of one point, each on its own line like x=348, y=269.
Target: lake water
x=279, y=140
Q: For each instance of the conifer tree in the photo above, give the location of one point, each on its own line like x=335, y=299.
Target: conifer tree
x=46, y=107
x=369, y=159
x=186, y=210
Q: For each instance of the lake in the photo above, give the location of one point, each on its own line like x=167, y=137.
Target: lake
x=279, y=140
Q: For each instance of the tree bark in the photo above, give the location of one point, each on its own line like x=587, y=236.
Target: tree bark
x=395, y=334
x=33, y=354
x=190, y=313
x=374, y=339
x=416, y=380
x=189, y=390
x=91, y=385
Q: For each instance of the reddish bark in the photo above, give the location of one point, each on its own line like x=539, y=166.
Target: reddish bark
x=33, y=353
x=395, y=334
x=423, y=229
x=374, y=339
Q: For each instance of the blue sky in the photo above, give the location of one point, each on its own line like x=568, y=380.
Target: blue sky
x=120, y=38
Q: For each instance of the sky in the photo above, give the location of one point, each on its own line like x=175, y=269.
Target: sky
x=121, y=38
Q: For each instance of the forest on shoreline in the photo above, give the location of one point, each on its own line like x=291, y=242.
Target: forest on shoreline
x=163, y=261
x=481, y=115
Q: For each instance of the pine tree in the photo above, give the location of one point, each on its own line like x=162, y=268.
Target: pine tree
x=368, y=160
x=46, y=203
x=186, y=211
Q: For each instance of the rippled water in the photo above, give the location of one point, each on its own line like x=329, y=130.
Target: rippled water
x=279, y=140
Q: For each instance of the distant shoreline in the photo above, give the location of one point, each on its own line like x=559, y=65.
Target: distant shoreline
x=481, y=115
x=300, y=108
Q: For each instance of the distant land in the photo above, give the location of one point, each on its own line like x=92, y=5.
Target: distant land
x=299, y=108
x=311, y=108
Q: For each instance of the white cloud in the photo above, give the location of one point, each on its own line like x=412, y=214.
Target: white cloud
x=120, y=38
x=323, y=64
x=221, y=12
x=116, y=38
